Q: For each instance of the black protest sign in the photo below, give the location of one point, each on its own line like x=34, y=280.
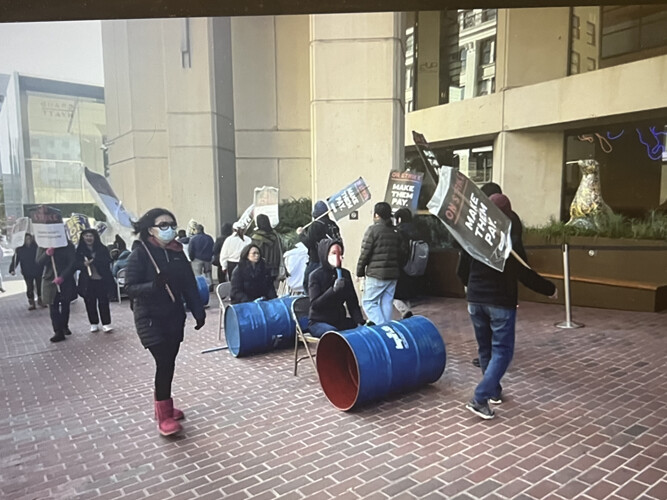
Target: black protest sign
x=427, y=155
x=403, y=189
x=479, y=226
x=349, y=199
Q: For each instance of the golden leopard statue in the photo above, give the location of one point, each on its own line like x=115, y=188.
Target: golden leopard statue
x=588, y=210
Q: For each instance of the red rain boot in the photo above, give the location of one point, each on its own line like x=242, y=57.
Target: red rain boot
x=166, y=423
x=176, y=413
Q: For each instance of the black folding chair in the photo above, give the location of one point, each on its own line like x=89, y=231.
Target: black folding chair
x=300, y=309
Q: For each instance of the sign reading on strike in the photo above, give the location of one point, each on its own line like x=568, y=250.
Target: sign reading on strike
x=47, y=224
x=348, y=200
x=403, y=190
x=479, y=226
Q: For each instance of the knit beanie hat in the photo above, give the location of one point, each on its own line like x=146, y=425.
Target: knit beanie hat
x=320, y=208
x=502, y=202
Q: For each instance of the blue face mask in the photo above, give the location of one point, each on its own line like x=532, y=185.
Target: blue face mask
x=166, y=235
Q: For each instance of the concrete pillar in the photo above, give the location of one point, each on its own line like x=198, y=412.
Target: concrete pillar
x=357, y=80
x=525, y=163
x=520, y=60
x=271, y=102
x=428, y=68
x=170, y=117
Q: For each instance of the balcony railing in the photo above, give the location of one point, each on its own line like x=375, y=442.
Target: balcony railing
x=470, y=19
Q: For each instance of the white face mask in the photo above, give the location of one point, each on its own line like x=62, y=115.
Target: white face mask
x=334, y=260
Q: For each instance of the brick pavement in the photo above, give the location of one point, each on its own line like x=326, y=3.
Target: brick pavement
x=585, y=417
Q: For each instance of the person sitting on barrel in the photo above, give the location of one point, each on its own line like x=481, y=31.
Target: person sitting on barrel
x=251, y=279
x=330, y=289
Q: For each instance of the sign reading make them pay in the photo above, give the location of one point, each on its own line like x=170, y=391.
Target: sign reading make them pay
x=403, y=190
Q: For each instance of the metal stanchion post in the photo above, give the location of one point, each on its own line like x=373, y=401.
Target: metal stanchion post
x=568, y=323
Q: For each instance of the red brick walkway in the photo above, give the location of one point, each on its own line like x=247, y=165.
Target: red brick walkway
x=585, y=417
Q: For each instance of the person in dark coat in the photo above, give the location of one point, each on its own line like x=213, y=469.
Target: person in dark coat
x=225, y=232
x=331, y=290
x=492, y=302
x=158, y=279
x=24, y=257
x=268, y=242
x=378, y=262
x=200, y=251
x=321, y=227
x=491, y=188
x=408, y=286
x=251, y=279
x=58, y=286
x=95, y=279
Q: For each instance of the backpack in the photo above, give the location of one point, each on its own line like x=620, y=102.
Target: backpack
x=417, y=259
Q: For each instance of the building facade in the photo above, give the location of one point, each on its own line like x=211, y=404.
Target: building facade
x=202, y=111
x=48, y=131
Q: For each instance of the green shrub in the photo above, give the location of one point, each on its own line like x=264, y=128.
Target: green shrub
x=293, y=213
x=653, y=227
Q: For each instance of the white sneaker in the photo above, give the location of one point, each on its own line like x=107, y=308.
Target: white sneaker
x=107, y=328
x=94, y=328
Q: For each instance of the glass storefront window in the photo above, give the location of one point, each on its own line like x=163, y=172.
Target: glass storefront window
x=617, y=34
x=633, y=165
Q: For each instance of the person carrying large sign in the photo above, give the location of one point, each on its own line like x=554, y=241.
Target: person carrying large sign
x=58, y=286
x=340, y=204
x=482, y=227
x=349, y=199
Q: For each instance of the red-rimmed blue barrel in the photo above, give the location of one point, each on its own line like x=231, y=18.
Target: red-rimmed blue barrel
x=202, y=288
x=371, y=362
x=255, y=327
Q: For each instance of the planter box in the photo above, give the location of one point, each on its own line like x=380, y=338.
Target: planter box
x=607, y=273
x=440, y=279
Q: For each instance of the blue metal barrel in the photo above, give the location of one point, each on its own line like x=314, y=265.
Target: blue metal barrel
x=202, y=286
x=371, y=362
x=254, y=327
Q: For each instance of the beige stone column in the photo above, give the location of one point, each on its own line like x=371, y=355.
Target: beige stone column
x=170, y=115
x=529, y=168
x=357, y=73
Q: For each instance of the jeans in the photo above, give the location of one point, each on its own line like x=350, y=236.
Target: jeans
x=378, y=298
x=59, y=312
x=317, y=329
x=494, y=330
x=201, y=267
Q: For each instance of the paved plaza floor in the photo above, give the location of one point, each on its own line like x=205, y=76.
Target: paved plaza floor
x=585, y=416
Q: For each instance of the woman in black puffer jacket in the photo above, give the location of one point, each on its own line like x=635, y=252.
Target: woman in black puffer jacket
x=158, y=278
x=251, y=279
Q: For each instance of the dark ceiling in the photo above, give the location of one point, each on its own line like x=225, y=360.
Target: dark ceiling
x=58, y=10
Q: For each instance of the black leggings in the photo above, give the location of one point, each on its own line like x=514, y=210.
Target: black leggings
x=97, y=295
x=165, y=361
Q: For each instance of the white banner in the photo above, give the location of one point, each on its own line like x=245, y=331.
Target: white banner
x=266, y=200
x=19, y=229
x=47, y=224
